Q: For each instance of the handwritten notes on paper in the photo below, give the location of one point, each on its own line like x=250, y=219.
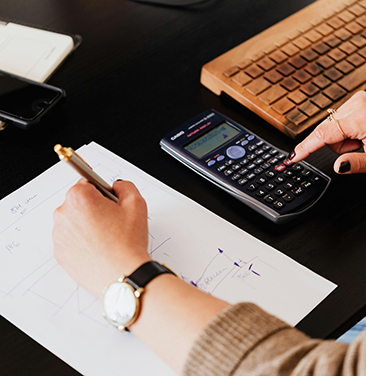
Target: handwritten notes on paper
x=203, y=249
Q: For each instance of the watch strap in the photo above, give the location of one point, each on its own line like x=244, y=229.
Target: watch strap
x=146, y=273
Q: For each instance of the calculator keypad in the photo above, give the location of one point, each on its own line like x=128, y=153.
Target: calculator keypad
x=263, y=172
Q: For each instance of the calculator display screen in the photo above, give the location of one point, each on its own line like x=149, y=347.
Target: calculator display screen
x=212, y=139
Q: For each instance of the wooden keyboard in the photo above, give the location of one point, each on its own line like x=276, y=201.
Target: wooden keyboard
x=291, y=73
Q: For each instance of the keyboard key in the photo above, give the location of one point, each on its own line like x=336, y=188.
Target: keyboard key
x=356, y=10
x=288, y=197
x=313, y=36
x=261, y=192
x=273, y=76
x=279, y=192
x=283, y=106
x=348, y=48
x=345, y=67
x=346, y=16
x=321, y=81
x=356, y=59
x=270, y=198
x=290, y=49
x=241, y=79
x=309, y=55
x=298, y=191
x=362, y=21
x=242, y=181
x=272, y=94
x=245, y=63
x=333, y=74
x=332, y=41
x=302, y=43
x=353, y=80
x=278, y=56
x=321, y=101
x=309, y=109
x=314, y=69
x=325, y=62
x=257, y=86
x=266, y=63
x=270, y=174
x=231, y=71
x=297, y=97
x=354, y=28
x=302, y=76
x=296, y=117
x=335, y=92
x=285, y=69
x=343, y=34
x=321, y=48
x=324, y=29
x=358, y=41
x=271, y=186
x=309, y=89
x=337, y=55
x=252, y=187
x=254, y=71
x=297, y=61
x=280, y=179
x=335, y=23
x=289, y=84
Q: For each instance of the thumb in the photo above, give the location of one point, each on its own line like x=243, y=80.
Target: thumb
x=350, y=163
x=125, y=190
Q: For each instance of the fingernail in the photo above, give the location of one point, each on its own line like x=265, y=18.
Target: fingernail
x=344, y=167
x=119, y=180
x=292, y=155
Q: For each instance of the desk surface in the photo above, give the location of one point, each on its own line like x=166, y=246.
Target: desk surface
x=134, y=78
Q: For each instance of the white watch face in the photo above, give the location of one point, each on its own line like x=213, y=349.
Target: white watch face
x=119, y=303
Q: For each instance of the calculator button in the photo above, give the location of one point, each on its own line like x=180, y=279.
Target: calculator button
x=288, y=197
x=251, y=156
x=266, y=147
x=280, y=167
x=273, y=161
x=307, y=184
x=228, y=172
x=306, y=173
x=280, y=179
x=261, y=192
x=211, y=163
x=250, y=176
x=288, y=173
x=266, y=156
x=270, y=174
x=271, y=186
x=251, y=137
x=245, y=142
x=298, y=191
x=287, y=162
x=244, y=161
x=261, y=180
x=259, y=143
x=252, y=147
x=252, y=187
x=242, y=181
x=265, y=166
x=288, y=186
x=279, y=192
x=220, y=158
x=251, y=166
x=298, y=179
x=316, y=178
x=297, y=167
x=280, y=156
x=236, y=177
x=258, y=161
x=258, y=171
x=259, y=151
x=270, y=198
x=229, y=162
x=235, y=167
x=279, y=204
x=235, y=152
x=221, y=168
x=273, y=151
x=243, y=171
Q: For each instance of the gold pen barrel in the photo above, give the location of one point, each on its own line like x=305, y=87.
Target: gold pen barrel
x=68, y=155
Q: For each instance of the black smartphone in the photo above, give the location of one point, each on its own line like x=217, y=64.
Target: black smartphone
x=23, y=102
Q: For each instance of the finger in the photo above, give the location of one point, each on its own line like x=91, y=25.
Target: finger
x=351, y=163
x=124, y=190
x=353, y=104
x=346, y=146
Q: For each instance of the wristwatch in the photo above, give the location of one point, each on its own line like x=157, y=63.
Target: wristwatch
x=121, y=299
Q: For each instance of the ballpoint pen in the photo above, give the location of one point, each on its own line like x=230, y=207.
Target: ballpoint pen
x=75, y=161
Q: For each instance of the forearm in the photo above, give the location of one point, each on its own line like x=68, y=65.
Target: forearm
x=173, y=313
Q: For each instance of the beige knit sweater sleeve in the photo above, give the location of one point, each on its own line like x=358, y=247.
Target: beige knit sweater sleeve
x=245, y=340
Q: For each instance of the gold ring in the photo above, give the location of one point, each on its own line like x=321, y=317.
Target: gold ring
x=330, y=117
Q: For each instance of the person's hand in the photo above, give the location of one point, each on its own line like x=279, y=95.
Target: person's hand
x=97, y=240
x=349, y=135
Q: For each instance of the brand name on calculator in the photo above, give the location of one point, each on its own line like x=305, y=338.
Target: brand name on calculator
x=177, y=135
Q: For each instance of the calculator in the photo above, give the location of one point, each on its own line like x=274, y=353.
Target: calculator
x=246, y=166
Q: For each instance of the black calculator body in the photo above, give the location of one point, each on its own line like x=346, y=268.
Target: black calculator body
x=246, y=166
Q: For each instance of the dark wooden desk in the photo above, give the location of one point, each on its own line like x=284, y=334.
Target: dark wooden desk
x=134, y=78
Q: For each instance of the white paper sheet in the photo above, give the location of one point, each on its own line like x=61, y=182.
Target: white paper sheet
x=38, y=296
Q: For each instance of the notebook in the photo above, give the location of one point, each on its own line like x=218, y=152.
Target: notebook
x=291, y=73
